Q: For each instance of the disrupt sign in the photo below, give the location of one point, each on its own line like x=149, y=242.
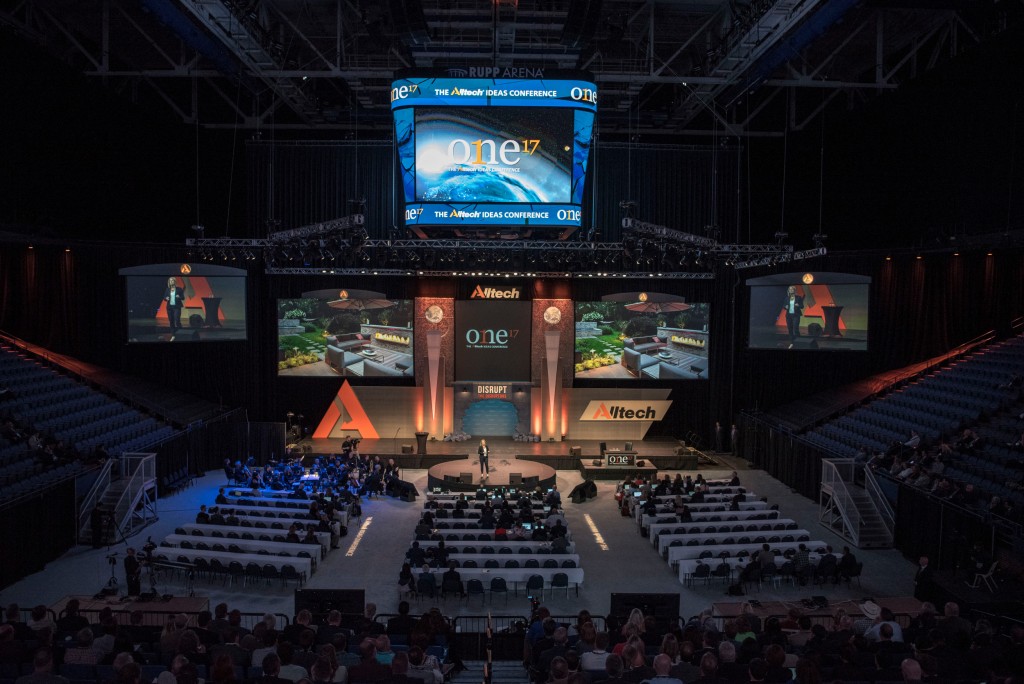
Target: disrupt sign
x=494, y=293
x=626, y=410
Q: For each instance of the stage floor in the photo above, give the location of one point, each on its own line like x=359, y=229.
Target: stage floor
x=500, y=447
x=445, y=474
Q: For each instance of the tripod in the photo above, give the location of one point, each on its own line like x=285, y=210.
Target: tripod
x=112, y=582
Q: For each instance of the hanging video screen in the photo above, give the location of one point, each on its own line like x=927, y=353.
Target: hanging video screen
x=341, y=332
x=183, y=303
x=633, y=336
x=493, y=152
x=809, y=312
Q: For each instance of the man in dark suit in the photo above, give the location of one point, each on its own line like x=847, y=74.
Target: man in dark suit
x=794, y=308
x=174, y=296
x=132, y=573
x=924, y=581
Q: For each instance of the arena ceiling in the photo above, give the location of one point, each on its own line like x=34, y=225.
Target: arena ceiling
x=664, y=67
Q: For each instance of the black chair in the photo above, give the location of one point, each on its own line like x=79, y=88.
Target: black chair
x=535, y=584
x=512, y=564
x=532, y=563
x=499, y=586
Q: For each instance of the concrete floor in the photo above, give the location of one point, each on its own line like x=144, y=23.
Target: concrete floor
x=628, y=563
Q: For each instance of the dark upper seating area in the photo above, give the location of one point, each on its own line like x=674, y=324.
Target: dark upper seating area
x=56, y=422
x=970, y=418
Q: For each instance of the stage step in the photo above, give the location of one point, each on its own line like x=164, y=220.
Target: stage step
x=502, y=672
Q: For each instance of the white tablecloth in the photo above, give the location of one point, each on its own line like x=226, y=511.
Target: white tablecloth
x=303, y=565
x=680, y=553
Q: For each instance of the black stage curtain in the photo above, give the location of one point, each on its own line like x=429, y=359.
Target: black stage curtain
x=36, y=531
x=296, y=183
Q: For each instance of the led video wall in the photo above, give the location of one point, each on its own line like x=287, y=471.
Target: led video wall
x=497, y=152
x=182, y=303
x=809, y=312
x=344, y=332
x=642, y=336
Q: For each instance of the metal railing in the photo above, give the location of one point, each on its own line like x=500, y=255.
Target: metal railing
x=138, y=472
x=835, y=473
x=878, y=497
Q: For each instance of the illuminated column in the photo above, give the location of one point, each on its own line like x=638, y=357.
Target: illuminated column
x=433, y=388
x=551, y=388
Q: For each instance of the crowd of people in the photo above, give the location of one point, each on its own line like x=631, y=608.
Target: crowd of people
x=867, y=645
x=918, y=463
x=43, y=447
x=216, y=647
x=346, y=475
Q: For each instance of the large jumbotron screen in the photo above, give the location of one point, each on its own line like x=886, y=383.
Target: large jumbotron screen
x=493, y=152
x=809, y=311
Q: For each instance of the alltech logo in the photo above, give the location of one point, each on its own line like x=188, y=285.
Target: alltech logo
x=626, y=410
x=494, y=293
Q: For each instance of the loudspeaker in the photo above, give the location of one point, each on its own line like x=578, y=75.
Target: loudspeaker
x=407, y=448
x=591, y=489
x=466, y=478
x=628, y=446
x=515, y=479
x=604, y=447
x=641, y=463
x=576, y=451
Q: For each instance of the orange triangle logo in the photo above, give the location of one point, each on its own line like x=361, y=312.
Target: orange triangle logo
x=345, y=403
x=601, y=412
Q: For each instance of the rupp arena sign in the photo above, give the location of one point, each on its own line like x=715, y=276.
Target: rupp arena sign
x=626, y=410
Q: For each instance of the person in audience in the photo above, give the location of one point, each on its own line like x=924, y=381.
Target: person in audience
x=637, y=668
x=222, y=670
x=614, y=668
x=400, y=670
x=596, y=658
x=368, y=669
x=82, y=653
x=42, y=670
x=423, y=667
x=271, y=665
x=885, y=617
x=289, y=669
x=384, y=653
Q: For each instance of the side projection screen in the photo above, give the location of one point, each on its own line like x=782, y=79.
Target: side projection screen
x=809, y=311
x=185, y=303
x=493, y=152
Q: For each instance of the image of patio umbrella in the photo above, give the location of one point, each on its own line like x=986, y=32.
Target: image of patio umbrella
x=657, y=307
x=360, y=300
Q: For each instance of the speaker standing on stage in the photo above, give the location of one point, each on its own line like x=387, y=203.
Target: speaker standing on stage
x=174, y=296
x=483, y=452
x=133, y=573
x=794, y=308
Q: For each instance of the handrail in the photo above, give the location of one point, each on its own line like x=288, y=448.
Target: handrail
x=103, y=480
x=874, y=490
x=143, y=474
x=831, y=477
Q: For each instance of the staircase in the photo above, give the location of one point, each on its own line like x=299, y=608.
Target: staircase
x=125, y=487
x=849, y=510
x=502, y=672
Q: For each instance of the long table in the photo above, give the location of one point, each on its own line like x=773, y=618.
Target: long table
x=666, y=544
x=481, y=558
x=303, y=565
x=667, y=504
x=268, y=502
x=680, y=553
x=515, y=546
x=687, y=567
x=514, y=576
x=249, y=546
x=713, y=509
x=208, y=532
x=710, y=515
x=255, y=512
x=664, y=540
x=661, y=529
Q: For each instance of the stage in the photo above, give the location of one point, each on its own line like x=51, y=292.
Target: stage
x=451, y=475
x=663, y=453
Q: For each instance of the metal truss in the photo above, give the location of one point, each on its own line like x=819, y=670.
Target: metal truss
x=663, y=68
x=443, y=273
x=316, y=229
x=781, y=258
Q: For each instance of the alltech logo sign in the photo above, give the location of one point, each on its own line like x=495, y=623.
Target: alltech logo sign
x=480, y=292
x=626, y=410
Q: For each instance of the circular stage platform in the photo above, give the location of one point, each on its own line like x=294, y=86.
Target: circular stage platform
x=463, y=475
